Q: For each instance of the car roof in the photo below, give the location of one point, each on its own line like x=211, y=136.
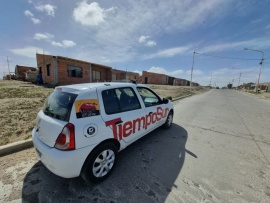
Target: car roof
x=77, y=88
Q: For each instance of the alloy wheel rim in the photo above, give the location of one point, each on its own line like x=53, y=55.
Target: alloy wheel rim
x=169, y=122
x=103, y=163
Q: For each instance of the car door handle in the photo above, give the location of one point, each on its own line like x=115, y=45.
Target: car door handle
x=150, y=113
x=118, y=122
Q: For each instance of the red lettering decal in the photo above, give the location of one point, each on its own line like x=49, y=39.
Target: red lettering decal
x=148, y=120
x=154, y=117
x=112, y=124
x=127, y=129
x=138, y=120
x=120, y=127
x=165, y=112
x=159, y=113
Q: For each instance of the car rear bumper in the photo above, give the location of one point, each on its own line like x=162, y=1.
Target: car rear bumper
x=66, y=164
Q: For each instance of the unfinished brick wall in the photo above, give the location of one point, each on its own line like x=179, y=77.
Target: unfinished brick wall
x=65, y=79
x=42, y=62
x=59, y=70
x=21, y=70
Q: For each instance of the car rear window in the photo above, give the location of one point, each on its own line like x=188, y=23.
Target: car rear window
x=59, y=104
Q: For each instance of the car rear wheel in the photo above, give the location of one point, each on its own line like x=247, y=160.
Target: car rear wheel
x=100, y=163
x=169, y=121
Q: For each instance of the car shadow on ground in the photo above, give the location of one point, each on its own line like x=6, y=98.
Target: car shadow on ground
x=145, y=172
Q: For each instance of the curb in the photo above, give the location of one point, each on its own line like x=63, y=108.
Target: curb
x=178, y=98
x=15, y=147
x=21, y=145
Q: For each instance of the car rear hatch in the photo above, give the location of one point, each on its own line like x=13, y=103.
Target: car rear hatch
x=54, y=116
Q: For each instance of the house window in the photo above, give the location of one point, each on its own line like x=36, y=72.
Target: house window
x=75, y=71
x=48, y=69
x=96, y=75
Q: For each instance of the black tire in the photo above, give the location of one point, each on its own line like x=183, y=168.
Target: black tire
x=169, y=121
x=97, y=167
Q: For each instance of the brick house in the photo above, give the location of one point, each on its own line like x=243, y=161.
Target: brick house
x=181, y=82
x=62, y=70
x=153, y=78
x=120, y=75
x=21, y=70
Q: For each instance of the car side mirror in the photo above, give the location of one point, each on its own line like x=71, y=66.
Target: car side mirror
x=165, y=101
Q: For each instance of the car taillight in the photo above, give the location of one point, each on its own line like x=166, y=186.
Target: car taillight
x=66, y=139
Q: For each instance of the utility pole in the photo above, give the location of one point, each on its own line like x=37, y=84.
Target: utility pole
x=261, y=65
x=8, y=69
x=239, y=80
x=192, y=69
x=239, y=75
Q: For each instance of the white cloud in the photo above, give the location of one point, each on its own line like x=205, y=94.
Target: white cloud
x=64, y=43
x=118, y=37
x=168, y=52
x=28, y=13
x=29, y=51
x=90, y=14
x=267, y=27
x=43, y=36
x=143, y=39
x=35, y=20
x=57, y=44
x=161, y=70
x=48, y=8
x=151, y=43
x=68, y=43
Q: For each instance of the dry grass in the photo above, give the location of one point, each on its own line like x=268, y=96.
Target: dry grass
x=20, y=102
x=176, y=91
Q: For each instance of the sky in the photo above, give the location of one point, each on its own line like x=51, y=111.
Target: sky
x=150, y=35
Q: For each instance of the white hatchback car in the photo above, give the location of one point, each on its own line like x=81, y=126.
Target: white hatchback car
x=82, y=127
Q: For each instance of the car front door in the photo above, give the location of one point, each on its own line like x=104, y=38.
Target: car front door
x=156, y=110
x=123, y=113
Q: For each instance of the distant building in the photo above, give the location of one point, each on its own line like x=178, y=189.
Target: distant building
x=153, y=78
x=181, y=82
x=59, y=70
x=21, y=70
x=120, y=75
x=63, y=70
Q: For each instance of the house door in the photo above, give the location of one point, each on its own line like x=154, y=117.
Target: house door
x=146, y=80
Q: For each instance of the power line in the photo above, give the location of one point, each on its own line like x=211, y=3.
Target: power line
x=230, y=57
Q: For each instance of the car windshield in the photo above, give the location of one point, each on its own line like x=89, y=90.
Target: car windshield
x=59, y=104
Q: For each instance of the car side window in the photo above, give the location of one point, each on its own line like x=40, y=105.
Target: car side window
x=149, y=97
x=120, y=100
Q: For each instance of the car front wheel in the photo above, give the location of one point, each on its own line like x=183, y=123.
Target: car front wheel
x=169, y=121
x=100, y=163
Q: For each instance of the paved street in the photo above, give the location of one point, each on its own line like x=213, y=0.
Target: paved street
x=218, y=150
